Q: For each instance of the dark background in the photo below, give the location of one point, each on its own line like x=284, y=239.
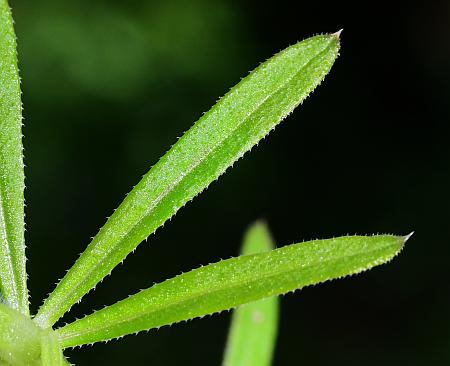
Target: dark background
x=109, y=85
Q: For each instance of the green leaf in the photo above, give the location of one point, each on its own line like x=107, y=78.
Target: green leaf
x=13, y=277
x=51, y=352
x=233, y=282
x=251, y=340
x=232, y=127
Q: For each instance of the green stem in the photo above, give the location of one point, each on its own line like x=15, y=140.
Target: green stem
x=51, y=352
x=20, y=338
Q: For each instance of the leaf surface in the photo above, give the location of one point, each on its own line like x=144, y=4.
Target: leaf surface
x=233, y=282
x=13, y=277
x=252, y=335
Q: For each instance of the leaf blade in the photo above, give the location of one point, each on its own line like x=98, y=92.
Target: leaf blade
x=13, y=275
x=232, y=282
x=252, y=335
x=232, y=127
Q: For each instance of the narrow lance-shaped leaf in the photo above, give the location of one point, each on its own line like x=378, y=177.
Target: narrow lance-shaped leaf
x=232, y=127
x=251, y=340
x=12, y=245
x=233, y=282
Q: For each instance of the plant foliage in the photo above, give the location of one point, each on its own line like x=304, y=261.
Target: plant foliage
x=245, y=115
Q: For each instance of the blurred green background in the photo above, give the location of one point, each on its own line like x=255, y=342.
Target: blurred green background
x=108, y=86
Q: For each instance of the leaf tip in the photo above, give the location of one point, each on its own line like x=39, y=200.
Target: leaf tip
x=260, y=223
x=338, y=33
x=406, y=237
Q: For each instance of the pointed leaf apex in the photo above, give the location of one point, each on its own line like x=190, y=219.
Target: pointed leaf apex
x=338, y=33
x=406, y=237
